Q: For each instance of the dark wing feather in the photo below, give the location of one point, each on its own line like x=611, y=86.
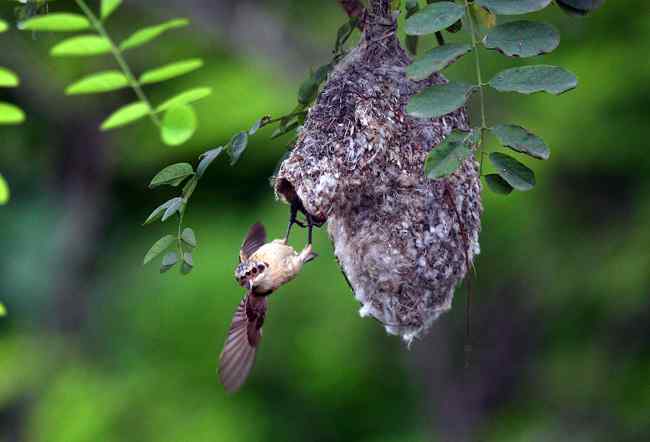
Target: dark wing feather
x=255, y=239
x=238, y=355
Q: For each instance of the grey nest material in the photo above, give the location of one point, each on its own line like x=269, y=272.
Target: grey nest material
x=401, y=239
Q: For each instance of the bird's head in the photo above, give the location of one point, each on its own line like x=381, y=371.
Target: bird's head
x=250, y=273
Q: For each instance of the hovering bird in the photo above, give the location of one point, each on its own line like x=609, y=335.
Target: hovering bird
x=263, y=268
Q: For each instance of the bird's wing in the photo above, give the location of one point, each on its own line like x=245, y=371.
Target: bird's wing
x=238, y=355
x=255, y=239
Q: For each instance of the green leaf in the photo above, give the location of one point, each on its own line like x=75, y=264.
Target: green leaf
x=186, y=97
x=258, y=125
x=523, y=38
x=145, y=35
x=237, y=146
x=513, y=7
x=81, y=46
x=99, y=82
x=285, y=128
x=8, y=78
x=174, y=206
x=3, y=310
x=168, y=262
x=484, y=17
x=4, y=26
x=10, y=114
x=498, y=184
x=436, y=60
x=439, y=100
x=309, y=88
x=160, y=246
x=125, y=115
x=532, y=79
x=108, y=7
x=55, y=22
x=446, y=158
x=178, y=125
x=189, y=237
x=158, y=212
x=4, y=191
x=206, y=159
x=308, y=91
x=170, y=71
x=188, y=263
x=513, y=172
x=579, y=7
x=519, y=139
x=435, y=17
x=171, y=174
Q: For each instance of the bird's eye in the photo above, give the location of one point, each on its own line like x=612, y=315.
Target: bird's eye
x=260, y=267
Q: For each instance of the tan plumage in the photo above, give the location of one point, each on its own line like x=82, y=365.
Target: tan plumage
x=263, y=268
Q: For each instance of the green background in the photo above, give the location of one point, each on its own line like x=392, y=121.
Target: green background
x=98, y=348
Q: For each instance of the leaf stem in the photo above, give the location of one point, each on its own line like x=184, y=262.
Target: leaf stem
x=119, y=57
x=179, y=238
x=291, y=115
x=479, y=77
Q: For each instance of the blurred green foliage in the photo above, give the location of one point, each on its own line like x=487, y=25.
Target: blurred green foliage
x=141, y=365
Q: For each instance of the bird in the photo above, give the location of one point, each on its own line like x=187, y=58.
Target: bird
x=263, y=268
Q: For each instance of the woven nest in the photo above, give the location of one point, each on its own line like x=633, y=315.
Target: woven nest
x=402, y=240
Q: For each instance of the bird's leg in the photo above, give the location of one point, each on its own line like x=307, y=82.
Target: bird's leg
x=310, y=228
x=292, y=220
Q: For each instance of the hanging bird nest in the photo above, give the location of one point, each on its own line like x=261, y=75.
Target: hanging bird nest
x=403, y=241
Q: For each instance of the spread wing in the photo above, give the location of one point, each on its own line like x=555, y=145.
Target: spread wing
x=238, y=355
x=255, y=239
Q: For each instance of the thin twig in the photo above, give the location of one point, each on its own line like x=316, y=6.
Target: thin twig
x=479, y=77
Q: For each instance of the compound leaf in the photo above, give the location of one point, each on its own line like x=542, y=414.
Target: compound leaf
x=174, y=206
x=145, y=35
x=435, y=17
x=55, y=22
x=206, y=159
x=237, y=146
x=523, y=38
x=4, y=191
x=532, y=79
x=439, y=100
x=436, y=60
x=168, y=262
x=447, y=157
x=186, y=97
x=513, y=7
x=8, y=78
x=513, y=172
x=99, y=82
x=81, y=46
x=108, y=7
x=519, y=139
x=498, y=184
x=170, y=71
x=178, y=125
x=125, y=115
x=171, y=174
x=159, y=246
x=11, y=114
